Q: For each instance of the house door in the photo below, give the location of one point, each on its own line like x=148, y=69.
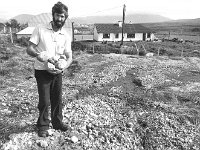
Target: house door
x=144, y=36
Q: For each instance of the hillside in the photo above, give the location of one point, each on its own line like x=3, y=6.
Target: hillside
x=186, y=29
x=188, y=21
x=111, y=101
x=133, y=18
x=182, y=23
x=130, y=18
x=2, y=20
x=23, y=18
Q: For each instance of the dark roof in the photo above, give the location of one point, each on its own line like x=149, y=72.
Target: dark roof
x=128, y=28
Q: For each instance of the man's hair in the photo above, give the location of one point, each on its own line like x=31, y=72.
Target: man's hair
x=60, y=8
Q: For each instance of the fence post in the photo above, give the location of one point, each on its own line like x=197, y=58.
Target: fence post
x=11, y=38
x=144, y=48
x=137, y=48
x=182, y=51
x=93, y=48
x=158, y=51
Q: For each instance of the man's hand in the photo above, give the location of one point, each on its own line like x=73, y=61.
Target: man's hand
x=43, y=56
x=53, y=60
x=61, y=64
x=52, y=69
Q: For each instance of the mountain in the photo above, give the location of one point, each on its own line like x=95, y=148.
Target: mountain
x=131, y=18
x=23, y=18
x=145, y=18
x=169, y=25
x=188, y=21
x=2, y=20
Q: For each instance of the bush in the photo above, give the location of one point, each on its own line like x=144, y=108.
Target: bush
x=142, y=53
x=6, y=53
x=4, y=71
x=77, y=46
x=23, y=41
x=114, y=50
x=195, y=30
x=162, y=51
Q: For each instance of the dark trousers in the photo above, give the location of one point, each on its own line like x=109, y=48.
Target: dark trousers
x=50, y=93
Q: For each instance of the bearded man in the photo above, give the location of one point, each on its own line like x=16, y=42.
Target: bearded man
x=51, y=47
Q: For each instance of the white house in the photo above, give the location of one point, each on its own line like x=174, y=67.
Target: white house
x=113, y=32
x=25, y=32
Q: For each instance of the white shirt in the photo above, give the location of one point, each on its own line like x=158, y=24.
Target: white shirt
x=53, y=43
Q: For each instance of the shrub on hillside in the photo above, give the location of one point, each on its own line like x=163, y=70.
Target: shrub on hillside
x=142, y=53
x=23, y=41
x=6, y=53
x=4, y=71
x=78, y=46
x=152, y=50
x=162, y=51
x=114, y=50
x=172, y=52
x=130, y=50
x=195, y=30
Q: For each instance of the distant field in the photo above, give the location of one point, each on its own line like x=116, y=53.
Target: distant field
x=83, y=37
x=187, y=37
x=185, y=31
x=195, y=38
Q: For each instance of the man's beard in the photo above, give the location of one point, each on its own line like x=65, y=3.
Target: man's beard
x=58, y=24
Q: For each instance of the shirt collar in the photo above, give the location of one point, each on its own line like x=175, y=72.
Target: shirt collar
x=49, y=26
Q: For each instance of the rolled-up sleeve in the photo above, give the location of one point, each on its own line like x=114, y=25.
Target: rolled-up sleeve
x=68, y=43
x=35, y=38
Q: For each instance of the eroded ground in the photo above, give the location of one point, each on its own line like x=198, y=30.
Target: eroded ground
x=111, y=101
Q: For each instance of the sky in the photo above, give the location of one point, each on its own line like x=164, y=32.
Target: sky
x=173, y=9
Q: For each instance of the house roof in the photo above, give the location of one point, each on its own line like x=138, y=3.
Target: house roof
x=128, y=28
x=26, y=31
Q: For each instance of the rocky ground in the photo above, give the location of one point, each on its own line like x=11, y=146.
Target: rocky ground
x=111, y=101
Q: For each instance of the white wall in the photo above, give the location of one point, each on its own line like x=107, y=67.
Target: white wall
x=152, y=36
x=99, y=37
x=23, y=35
x=138, y=37
x=95, y=34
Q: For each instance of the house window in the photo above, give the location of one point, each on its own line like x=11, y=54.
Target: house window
x=130, y=35
x=148, y=35
x=106, y=36
x=117, y=36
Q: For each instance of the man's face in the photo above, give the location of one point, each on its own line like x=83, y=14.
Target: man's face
x=59, y=19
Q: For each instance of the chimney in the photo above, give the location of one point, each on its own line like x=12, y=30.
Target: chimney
x=120, y=23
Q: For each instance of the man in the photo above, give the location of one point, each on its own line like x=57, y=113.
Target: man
x=51, y=46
